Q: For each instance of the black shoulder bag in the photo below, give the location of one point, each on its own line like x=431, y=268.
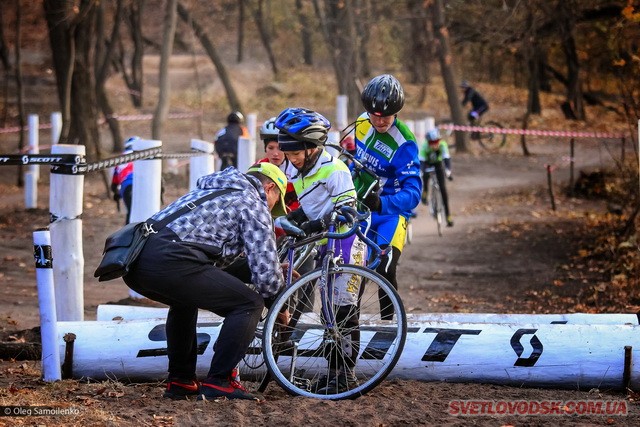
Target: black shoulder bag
x=122, y=248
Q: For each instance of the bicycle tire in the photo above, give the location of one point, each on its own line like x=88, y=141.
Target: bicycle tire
x=297, y=364
x=409, y=233
x=490, y=140
x=436, y=207
x=439, y=208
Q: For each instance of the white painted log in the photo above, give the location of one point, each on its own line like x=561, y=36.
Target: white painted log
x=200, y=165
x=147, y=184
x=56, y=127
x=65, y=200
x=333, y=138
x=131, y=312
x=430, y=123
x=421, y=131
x=246, y=153
x=51, y=370
x=34, y=143
x=411, y=125
x=30, y=190
x=252, y=126
x=342, y=105
x=562, y=356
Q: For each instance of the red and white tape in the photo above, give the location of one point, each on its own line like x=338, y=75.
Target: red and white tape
x=562, y=133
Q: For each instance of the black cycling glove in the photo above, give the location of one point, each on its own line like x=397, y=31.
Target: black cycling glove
x=372, y=201
x=297, y=217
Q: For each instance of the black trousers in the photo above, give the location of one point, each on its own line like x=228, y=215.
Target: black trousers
x=169, y=272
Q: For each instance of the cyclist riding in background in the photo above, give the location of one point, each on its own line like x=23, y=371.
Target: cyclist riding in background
x=479, y=105
x=226, y=141
x=386, y=146
x=323, y=183
x=122, y=180
x=435, y=153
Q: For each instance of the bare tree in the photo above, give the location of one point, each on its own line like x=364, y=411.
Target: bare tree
x=162, y=109
x=71, y=34
x=305, y=34
x=241, y=20
x=234, y=103
x=265, y=37
x=132, y=74
x=445, y=58
x=103, y=61
x=566, y=24
x=19, y=88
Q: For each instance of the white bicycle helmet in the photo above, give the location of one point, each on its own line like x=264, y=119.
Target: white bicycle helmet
x=268, y=130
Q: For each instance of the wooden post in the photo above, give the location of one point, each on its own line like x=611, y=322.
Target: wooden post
x=246, y=153
x=34, y=143
x=200, y=165
x=342, y=118
x=550, y=185
x=30, y=190
x=56, y=127
x=65, y=199
x=147, y=186
x=252, y=125
x=47, y=305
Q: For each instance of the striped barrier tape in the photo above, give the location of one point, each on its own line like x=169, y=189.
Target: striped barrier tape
x=562, y=133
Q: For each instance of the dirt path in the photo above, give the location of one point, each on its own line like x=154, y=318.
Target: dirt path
x=504, y=245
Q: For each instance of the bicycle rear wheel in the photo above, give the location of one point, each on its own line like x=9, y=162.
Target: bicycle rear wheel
x=302, y=357
x=492, y=140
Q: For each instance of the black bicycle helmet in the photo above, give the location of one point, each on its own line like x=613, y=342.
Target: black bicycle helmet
x=383, y=96
x=301, y=128
x=235, y=117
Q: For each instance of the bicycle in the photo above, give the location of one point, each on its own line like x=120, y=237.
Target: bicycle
x=300, y=354
x=434, y=197
x=490, y=138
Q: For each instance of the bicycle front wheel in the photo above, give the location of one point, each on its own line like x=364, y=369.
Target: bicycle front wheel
x=492, y=140
x=304, y=359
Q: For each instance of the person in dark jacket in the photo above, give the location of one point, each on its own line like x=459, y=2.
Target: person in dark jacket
x=479, y=105
x=226, y=141
x=182, y=265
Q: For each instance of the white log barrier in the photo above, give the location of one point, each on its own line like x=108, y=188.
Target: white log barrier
x=252, y=125
x=147, y=184
x=342, y=105
x=65, y=204
x=534, y=355
x=130, y=312
x=30, y=190
x=430, y=123
x=51, y=370
x=421, y=131
x=411, y=125
x=333, y=138
x=56, y=127
x=200, y=165
x=34, y=142
x=246, y=153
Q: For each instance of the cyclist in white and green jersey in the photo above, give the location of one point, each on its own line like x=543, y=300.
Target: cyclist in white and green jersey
x=386, y=146
x=324, y=183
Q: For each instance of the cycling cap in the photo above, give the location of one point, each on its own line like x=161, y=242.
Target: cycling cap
x=433, y=135
x=301, y=129
x=465, y=84
x=235, y=117
x=383, y=96
x=276, y=175
x=268, y=130
x=128, y=144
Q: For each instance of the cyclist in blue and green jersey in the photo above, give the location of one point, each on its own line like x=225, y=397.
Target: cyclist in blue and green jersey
x=387, y=147
x=323, y=183
x=434, y=153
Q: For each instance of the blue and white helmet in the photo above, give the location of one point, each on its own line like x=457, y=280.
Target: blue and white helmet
x=301, y=128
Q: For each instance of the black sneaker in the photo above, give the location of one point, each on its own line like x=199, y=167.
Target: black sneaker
x=423, y=199
x=214, y=388
x=181, y=390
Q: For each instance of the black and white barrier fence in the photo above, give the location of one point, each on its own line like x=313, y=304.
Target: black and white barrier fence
x=566, y=351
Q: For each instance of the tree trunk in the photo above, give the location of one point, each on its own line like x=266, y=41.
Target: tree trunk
x=241, y=6
x=162, y=109
x=305, y=33
x=71, y=34
x=258, y=15
x=234, y=103
x=19, y=88
x=103, y=64
x=417, y=46
x=574, y=86
x=446, y=68
x=137, y=80
x=532, y=53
